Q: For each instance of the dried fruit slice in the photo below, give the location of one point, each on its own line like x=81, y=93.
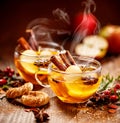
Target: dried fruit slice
x=92, y=46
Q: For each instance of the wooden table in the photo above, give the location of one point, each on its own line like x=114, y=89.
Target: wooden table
x=58, y=111
x=15, y=16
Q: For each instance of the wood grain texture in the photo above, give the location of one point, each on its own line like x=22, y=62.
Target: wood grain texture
x=59, y=112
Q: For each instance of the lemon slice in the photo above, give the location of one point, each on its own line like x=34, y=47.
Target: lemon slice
x=27, y=60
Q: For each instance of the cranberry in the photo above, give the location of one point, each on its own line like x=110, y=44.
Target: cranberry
x=12, y=71
x=3, y=81
x=117, y=86
x=114, y=98
x=107, y=92
x=8, y=69
x=5, y=71
x=10, y=74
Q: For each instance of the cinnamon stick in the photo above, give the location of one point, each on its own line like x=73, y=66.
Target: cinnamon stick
x=24, y=43
x=65, y=60
x=69, y=56
x=58, y=63
x=32, y=41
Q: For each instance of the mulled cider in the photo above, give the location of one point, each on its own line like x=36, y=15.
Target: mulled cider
x=74, y=81
x=31, y=62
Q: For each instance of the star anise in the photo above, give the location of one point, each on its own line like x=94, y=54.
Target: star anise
x=42, y=62
x=40, y=115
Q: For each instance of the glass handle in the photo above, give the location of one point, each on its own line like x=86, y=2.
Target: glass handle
x=46, y=85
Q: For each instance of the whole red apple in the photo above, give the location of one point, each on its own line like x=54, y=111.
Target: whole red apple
x=85, y=22
x=112, y=34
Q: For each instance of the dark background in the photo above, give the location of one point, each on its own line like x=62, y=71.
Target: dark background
x=16, y=14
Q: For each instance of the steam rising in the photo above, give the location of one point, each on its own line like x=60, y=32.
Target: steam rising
x=59, y=28
x=81, y=31
x=47, y=29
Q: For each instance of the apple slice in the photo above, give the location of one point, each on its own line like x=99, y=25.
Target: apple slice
x=27, y=60
x=28, y=56
x=71, y=70
x=46, y=53
x=92, y=46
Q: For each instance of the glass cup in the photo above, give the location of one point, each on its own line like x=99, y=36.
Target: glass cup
x=75, y=87
x=32, y=65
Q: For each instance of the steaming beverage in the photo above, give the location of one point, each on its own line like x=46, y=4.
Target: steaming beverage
x=77, y=84
x=31, y=63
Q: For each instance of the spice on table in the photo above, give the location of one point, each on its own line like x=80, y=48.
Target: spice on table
x=40, y=114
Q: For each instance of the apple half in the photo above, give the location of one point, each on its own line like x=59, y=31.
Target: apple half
x=93, y=46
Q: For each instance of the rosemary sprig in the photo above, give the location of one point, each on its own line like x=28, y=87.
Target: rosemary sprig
x=106, y=82
x=118, y=78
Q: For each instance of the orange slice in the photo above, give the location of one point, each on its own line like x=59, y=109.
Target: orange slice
x=27, y=60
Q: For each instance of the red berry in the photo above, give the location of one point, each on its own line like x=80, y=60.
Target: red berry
x=3, y=81
x=8, y=68
x=107, y=92
x=12, y=71
x=10, y=74
x=114, y=97
x=117, y=86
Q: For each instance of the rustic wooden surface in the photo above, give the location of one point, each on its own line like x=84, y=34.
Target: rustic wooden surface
x=15, y=15
x=58, y=111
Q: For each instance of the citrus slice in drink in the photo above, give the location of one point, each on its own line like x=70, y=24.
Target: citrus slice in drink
x=78, y=89
x=27, y=59
x=76, y=85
